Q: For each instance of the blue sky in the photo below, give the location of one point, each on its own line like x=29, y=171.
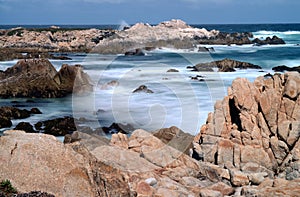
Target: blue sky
x=150, y=11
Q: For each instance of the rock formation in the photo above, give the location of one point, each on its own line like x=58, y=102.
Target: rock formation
x=9, y=113
x=225, y=65
x=53, y=39
x=254, y=132
x=274, y=40
x=143, y=88
x=248, y=147
x=140, y=165
x=37, y=78
x=286, y=68
x=172, y=34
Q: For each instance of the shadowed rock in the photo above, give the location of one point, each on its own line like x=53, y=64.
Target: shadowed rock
x=144, y=89
x=225, y=65
x=38, y=78
x=286, y=68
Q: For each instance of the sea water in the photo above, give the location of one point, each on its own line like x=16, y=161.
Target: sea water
x=177, y=100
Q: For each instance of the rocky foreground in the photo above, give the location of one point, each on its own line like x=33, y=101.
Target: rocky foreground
x=249, y=147
x=173, y=34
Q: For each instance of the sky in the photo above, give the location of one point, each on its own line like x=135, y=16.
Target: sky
x=96, y=12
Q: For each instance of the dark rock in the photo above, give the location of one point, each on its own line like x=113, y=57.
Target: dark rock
x=172, y=70
x=35, y=111
x=192, y=68
x=286, y=68
x=118, y=128
x=15, y=113
x=272, y=41
x=135, y=52
x=39, y=79
x=226, y=69
x=149, y=48
x=58, y=126
x=268, y=75
x=38, y=125
x=143, y=88
x=225, y=65
x=206, y=49
x=226, y=39
x=5, y=122
x=25, y=126
x=60, y=57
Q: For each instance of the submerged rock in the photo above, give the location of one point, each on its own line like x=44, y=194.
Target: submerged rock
x=172, y=70
x=144, y=89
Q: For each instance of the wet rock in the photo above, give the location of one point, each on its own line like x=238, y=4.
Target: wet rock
x=206, y=49
x=61, y=57
x=118, y=128
x=172, y=70
x=223, y=38
x=25, y=126
x=14, y=113
x=57, y=127
x=144, y=89
x=37, y=78
x=135, y=52
x=225, y=65
x=5, y=122
x=35, y=111
x=272, y=41
x=286, y=68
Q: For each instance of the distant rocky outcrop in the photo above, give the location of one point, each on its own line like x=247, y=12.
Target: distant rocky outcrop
x=223, y=38
x=172, y=34
x=225, y=65
x=272, y=41
x=37, y=78
x=284, y=68
x=254, y=134
x=53, y=39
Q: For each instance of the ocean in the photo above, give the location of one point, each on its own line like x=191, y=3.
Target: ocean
x=177, y=99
